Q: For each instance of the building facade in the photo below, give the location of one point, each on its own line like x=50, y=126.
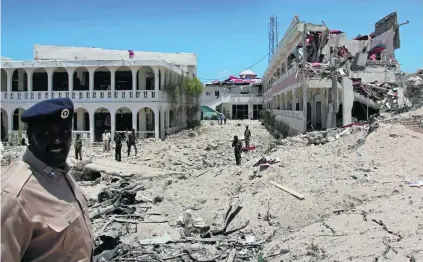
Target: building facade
x=311, y=62
x=236, y=97
x=111, y=89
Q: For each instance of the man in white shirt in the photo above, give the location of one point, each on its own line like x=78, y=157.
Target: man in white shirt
x=109, y=139
x=104, y=138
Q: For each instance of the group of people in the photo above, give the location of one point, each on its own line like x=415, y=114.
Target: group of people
x=129, y=137
x=131, y=141
x=237, y=145
x=221, y=119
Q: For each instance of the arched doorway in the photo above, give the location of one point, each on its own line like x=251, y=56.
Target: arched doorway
x=146, y=122
x=40, y=80
x=146, y=78
x=60, y=79
x=123, y=78
x=123, y=119
x=17, y=124
x=81, y=123
x=81, y=120
x=102, y=79
x=81, y=79
x=19, y=80
x=102, y=122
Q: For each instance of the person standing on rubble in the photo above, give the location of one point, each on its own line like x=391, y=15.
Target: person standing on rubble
x=132, y=141
x=44, y=214
x=78, y=147
x=237, y=145
x=247, y=137
x=104, y=139
x=109, y=139
x=118, y=147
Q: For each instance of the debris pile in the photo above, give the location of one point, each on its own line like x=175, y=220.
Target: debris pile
x=121, y=208
x=317, y=71
x=414, y=92
x=10, y=153
x=323, y=137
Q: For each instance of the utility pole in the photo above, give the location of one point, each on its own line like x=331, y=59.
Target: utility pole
x=334, y=89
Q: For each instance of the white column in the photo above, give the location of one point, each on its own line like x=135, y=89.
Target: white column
x=162, y=82
x=70, y=79
x=29, y=73
x=156, y=78
x=134, y=121
x=9, y=81
x=91, y=72
x=162, y=124
x=50, y=82
x=156, y=123
x=113, y=80
x=92, y=133
x=347, y=100
x=134, y=79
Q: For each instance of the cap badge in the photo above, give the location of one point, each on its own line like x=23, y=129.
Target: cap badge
x=52, y=174
x=65, y=113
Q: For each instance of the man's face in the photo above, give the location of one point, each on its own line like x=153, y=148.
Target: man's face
x=51, y=142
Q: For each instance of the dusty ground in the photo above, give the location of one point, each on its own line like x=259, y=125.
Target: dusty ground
x=379, y=215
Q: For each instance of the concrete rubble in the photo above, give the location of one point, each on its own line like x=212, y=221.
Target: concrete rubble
x=335, y=195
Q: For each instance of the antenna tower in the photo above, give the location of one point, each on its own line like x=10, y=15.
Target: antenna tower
x=273, y=35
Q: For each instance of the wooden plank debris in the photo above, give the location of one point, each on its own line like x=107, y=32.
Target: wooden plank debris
x=284, y=188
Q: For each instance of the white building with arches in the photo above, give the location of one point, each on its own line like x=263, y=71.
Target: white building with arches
x=111, y=89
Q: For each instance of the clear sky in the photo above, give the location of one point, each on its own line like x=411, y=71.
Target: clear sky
x=227, y=35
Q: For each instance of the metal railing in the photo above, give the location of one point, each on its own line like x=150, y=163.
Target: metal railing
x=84, y=96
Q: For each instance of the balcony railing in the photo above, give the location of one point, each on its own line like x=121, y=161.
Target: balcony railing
x=85, y=96
x=242, y=98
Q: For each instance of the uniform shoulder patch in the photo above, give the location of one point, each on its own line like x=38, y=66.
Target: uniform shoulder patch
x=14, y=178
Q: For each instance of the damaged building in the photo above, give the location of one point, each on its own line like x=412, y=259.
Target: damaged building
x=318, y=78
x=236, y=97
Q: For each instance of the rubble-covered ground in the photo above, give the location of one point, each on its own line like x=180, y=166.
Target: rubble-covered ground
x=362, y=196
x=358, y=206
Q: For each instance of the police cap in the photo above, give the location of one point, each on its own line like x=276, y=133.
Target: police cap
x=55, y=110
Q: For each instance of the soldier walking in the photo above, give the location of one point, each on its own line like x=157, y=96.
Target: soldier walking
x=118, y=148
x=78, y=147
x=247, y=137
x=237, y=145
x=132, y=142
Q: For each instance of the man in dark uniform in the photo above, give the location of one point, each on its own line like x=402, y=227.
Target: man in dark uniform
x=118, y=147
x=237, y=145
x=247, y=137
x=44, y=214
x=132, y=142
x=78, y=147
